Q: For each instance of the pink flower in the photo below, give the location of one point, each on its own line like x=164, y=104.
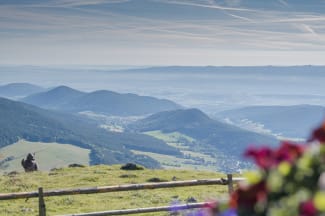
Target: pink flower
x=319, y=134
x=263, y=157
x=307, y=209
x=266, y=158
x=288, y=152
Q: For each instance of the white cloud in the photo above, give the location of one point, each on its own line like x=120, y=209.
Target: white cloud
x=240, y=17
x=233, y=3
x=74, y=3
x=308, y=29
x=208, y=4
x=283, y=2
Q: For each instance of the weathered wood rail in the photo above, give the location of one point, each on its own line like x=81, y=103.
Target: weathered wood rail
x=128, y=187
x=142, y=210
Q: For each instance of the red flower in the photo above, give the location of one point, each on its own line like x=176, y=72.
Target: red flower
x=319, y=134
x=266, y=158
x=307, y=209
x=288, y=152
x=263, y=157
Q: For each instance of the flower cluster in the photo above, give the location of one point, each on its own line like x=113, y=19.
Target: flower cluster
x=289, y=181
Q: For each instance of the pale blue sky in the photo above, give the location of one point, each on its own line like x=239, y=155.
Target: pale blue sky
x=162, y=32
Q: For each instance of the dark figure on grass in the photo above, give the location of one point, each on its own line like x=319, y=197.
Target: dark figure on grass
x=29, y=164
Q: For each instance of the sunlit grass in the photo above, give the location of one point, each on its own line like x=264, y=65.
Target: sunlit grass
x=48, y=155
x=102, y=176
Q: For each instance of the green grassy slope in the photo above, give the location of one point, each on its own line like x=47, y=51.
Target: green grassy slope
x=191, y=158
x=201, y=134
x=102, y=176
x=196, y=124
x=48, y=155
x=195, y=154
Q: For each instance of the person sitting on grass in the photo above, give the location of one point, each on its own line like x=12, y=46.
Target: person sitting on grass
x=29, y=164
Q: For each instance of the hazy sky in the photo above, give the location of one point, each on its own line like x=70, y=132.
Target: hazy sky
x=162, y=32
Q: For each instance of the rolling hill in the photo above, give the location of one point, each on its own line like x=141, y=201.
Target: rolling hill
x=194, y=123
x=48, y=155
x=55, y=98
x=105, y=102
x=289, y=121
x=19, y=90
x=22, y=121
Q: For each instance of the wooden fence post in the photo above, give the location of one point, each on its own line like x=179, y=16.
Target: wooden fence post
x=230, y=183
x=41, y=203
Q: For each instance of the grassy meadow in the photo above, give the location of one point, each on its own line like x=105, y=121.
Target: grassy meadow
x=48, y=155
x=183, y=143
x=102, y=175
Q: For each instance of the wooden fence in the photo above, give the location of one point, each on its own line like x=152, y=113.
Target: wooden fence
x=229, y=181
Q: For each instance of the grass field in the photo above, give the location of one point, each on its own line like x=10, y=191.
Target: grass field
x=48, y=155
x=193, y=159
x=102, y=175
x=172, y=162
x=174, y=139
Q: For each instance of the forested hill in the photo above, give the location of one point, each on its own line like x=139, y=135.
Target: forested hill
x=22, y=121
x=55, y=98
x=194, y=123
x=102, y=101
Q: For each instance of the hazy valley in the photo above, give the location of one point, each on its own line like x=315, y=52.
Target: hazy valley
x=117, y=124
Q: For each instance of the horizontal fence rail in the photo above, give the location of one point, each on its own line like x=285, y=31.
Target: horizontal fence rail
x=143, y=210
x=116, y=188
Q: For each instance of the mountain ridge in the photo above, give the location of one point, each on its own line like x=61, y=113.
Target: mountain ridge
x=222, y=136
x=101, y=101
x=235, y=69
x=55, y=98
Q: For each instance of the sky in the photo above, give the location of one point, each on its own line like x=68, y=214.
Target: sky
x=162, y=32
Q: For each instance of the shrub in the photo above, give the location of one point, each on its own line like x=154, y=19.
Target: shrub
x=289, y=181
x=131, y=166
x=156, y=179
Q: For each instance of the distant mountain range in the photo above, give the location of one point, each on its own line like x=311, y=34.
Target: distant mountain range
x=19, y=90
x=288, y=121
x=194, y=123
x=225, y=138
x=232, y=69
x=22, y=121
x=105, y=102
